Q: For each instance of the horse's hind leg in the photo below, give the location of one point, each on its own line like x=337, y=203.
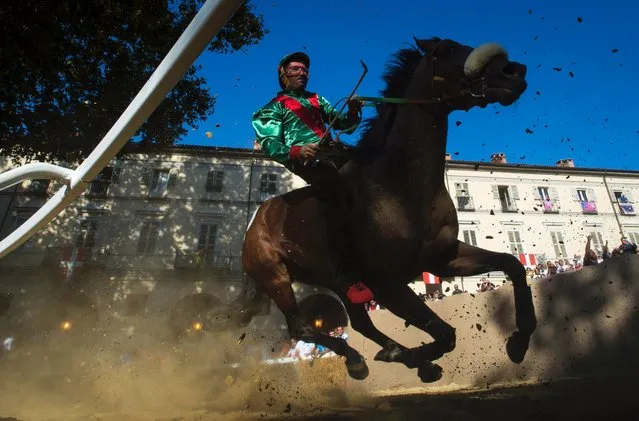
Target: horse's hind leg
x=473, y=261
x=278, y=287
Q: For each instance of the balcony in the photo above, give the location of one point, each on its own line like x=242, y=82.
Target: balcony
x=589, y=207
x=507, y=206
x=465, y=203
x=194, y=259
x=58, y=256
x=550, y=207
x=98, y=189
x=626, y=209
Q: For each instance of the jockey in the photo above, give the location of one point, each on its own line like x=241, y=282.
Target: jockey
x=290, y=128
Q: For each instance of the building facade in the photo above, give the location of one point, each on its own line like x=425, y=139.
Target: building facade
x=150, y=218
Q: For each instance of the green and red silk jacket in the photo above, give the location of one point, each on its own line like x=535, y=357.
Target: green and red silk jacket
x=292, y=120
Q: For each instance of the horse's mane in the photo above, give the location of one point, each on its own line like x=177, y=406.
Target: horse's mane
x=397, y=77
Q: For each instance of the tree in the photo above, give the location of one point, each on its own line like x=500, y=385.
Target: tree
x=69, y=68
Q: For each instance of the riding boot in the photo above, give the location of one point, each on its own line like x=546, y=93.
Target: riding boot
x=341, y=240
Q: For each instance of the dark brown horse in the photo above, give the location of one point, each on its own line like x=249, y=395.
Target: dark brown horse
x=402, y=216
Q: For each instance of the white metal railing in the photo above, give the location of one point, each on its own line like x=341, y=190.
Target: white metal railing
x=213, y=15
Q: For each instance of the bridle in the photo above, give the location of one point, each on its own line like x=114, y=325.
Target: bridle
x=466, y=91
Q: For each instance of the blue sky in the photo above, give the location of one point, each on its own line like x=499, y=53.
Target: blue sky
x=591, y=117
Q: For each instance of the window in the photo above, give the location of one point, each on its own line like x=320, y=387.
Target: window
x=206, y=237
x=20, y=216
x=507, y=196
x=470, y=237
x=214, y=181
x=544, y=194
x=38, y=186
x=99, y=186
x=268, y=185
x=596, y=242
x=464, y=200
x=514, y=239
x=159, y=181
x=88, y=233
x=149, y=233
x=558, y=244
x=624, y=201
x=586, y=197
x=548, y=197
x=633, y=237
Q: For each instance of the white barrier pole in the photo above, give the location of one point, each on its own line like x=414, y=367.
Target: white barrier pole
x=213, y=15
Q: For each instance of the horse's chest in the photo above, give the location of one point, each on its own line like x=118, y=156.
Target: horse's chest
x=390, y=218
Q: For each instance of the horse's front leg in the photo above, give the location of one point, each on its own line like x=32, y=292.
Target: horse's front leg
x=472, y=260
x=402, y=301
x=361, y=322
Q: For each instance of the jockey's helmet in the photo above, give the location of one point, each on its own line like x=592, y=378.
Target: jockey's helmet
x=297, y=56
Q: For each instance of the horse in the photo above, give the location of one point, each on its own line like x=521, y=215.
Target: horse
x=399, y=210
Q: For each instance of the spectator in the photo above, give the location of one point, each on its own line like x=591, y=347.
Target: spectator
x=486, y=285
x=339, y=333
x=627, y=247
x=456, y=290
x=590, y=256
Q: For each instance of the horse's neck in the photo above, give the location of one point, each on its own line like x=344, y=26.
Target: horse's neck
x=416, y=148
x=416, y=145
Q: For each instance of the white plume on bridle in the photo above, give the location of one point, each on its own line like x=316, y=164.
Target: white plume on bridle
x=480, y=57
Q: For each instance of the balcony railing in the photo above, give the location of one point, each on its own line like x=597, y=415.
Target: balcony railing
x=94, y=256
x=589, y=207
x=626, y=209
x=98, y=189
x=508, y=206
x=465, y=203
x=550, y=207
x=194, y=259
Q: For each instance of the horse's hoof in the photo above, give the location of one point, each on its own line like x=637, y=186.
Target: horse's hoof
x=358, y=369
x=429, y=372
x=517, y=346
x=392, y=352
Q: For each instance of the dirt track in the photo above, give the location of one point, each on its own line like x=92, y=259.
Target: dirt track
x=596, y=399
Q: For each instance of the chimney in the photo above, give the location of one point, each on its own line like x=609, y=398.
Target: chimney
x=566, y=163
x=498, y=158
x=448, y=157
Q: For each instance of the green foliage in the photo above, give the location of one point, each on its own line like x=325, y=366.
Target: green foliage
x=68, y=69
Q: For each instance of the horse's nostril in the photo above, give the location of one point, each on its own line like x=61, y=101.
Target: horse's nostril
x=514, y=69
x=510, y=69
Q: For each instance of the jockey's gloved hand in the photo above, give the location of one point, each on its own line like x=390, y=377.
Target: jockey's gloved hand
x=308, y=152
x=355, y=105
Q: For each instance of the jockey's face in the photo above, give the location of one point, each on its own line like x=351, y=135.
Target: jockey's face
x=296, y=76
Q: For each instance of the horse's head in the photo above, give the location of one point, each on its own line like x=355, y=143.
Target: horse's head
x=464, y=77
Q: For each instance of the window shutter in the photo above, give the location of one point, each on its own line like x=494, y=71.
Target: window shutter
x=629, y=197
x=515, y=192
x=173, y=177
x=535, y=193
x=554, y=195
x=591, y=195
x=495, y=190
x=575, y=195
x=115, y=176
x=145, y=176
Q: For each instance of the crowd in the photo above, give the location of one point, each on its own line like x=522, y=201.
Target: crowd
x=590, y=258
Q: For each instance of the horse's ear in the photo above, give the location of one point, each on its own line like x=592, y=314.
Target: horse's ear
x=422, y=44
x=425, y=45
